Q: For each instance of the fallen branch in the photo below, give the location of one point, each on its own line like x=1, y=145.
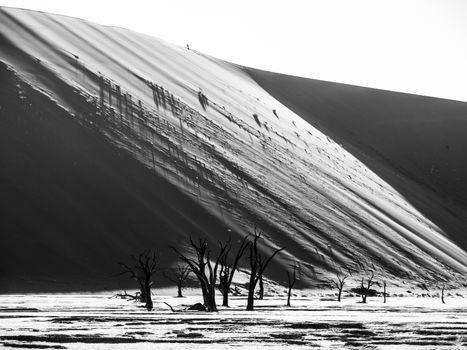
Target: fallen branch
x=125, y=295
x=171, y=308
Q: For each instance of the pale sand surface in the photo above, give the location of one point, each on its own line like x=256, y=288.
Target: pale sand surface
x=93, y=321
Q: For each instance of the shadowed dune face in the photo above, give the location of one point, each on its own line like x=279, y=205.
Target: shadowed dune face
x=416, y=143
x=114, y=142
x=72, y=205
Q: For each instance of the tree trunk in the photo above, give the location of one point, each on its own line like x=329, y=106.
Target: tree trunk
x=179, y=287
x=205, y=292
x=363, y=291
x=261, y=288
x=225, y=296
x=149, y=305
x=442, y=295
x=209, y=297
x=339, y=294
x=288, y=296
x=251, y=293
x=384, y=292
x=143, y=294
x=250, y=303
x=210, y=301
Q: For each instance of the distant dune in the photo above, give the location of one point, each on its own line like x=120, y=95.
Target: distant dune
x=112, y=142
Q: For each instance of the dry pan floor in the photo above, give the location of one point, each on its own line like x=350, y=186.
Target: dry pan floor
x=78, y=321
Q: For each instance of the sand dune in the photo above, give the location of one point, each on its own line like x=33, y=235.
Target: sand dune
x=416, y=143
x=114, y=141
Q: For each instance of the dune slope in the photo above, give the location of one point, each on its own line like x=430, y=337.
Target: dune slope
x=416, y=143
x=113, y=141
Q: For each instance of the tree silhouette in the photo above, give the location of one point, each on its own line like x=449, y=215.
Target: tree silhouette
x=180, y=274
x=291, y=280
x=261, y=288
x=142, y=271
x=229, y=266
x=258, y=264
x=204, y=269
x=339, y=283
x=384, y=291
x=365, y=290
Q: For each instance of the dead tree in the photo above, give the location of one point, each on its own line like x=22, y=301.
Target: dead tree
x=261, y=288
x=142, y=271
x=339, y=283
x=126, y=295
x=291, y=280
x=364, y=290
x=384, y=291
x=204, y=269
x=180, y=274
x=258, y=264
x=228, y=267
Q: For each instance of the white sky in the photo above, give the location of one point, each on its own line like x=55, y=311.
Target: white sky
x=417, y=46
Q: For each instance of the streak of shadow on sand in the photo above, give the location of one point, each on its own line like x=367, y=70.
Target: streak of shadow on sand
x=33, y=346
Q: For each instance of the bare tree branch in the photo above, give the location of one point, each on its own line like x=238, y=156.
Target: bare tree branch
x=143, y=270
x=339, y=283
x=291, y=279
x=199, y=266
x=229, y=266
x=258, y=264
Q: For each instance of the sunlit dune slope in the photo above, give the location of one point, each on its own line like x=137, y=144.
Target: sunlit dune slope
x=114, y=141
x=416, y=143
